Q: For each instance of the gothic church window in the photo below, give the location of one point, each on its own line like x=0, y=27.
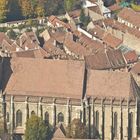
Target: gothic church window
x=97, y=120
x=130, y=125
x=60, y=117
x=32, y=113
x=7, y=116
x=46, y=117
x=19, y=118
x=115, y=124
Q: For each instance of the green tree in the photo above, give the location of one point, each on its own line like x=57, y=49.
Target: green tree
x=3, y=10
x=76, y=130
x=12, y=34
x=68, y=4
x=36, y=129
x=83, y=18
x=14, y=10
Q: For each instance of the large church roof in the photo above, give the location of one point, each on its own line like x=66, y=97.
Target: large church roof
x=44, y=77
x=113, y=84
x=65, y=79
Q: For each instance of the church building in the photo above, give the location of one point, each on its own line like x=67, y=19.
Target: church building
x=107, y=102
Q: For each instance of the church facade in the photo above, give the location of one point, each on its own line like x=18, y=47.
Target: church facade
x=107, y=102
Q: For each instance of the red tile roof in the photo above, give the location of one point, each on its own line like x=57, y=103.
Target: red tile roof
x=130, y=16
x=131, y=57
x=115, y=7
x=75, y=13
x=42, y=77
x=111, y=84
x=112, y=41
x=54, y=21
x=136, y=68
x=105, y=59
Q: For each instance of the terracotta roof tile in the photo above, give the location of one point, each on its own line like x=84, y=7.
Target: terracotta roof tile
x=131, y=57
x=114, y=84
x=42, y=77
x=54, y=21
x=136, y=68
x=95, y=9
x=37, y=53
x=75, y=13
x=97, y=32
x=105, y=59
x=112, y=41
x=130, y=15
x=115, y=7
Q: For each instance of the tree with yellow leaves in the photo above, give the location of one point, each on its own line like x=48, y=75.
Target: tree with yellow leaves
x=40, y=11
x=3, y=9
x=26, y=8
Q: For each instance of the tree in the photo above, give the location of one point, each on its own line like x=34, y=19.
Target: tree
x=26, y=8
x=84, y=19
x=3, y=10
x=76, y=130
x=68, y=4
x=11, y=34
x=40, y=10
x=36, y=129
x=14, y=10
x=82, y=16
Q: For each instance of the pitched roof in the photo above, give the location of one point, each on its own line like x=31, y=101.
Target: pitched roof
x=54, y=21
x=75, y=47
x=7, y=47
x=29, y=40
x=37, y=53
x=115, y=7
x=51, y=49
x=75, y=13
x=3, y=36
x=112, y=41
x=131, y=57
x=97, y=31
x=113, y=84
x=117, y=26
x=105, y=59
x=95, y=9
x=44, y=77
x=136, y=68
x=59, y=132
x=130, y=15
x=59, y=36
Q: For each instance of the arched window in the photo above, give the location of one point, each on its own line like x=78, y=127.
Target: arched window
x=130, y=125
x=81, y=115
x=19, y=118
x=32, y=113
x=60, y=117
x=7, y=119
x=115, y=124
x=97, y=120
x=46, y=117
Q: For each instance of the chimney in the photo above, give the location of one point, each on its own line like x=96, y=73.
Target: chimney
x=54, y=43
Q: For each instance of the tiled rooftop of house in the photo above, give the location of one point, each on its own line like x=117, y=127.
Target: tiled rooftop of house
x=130, y=16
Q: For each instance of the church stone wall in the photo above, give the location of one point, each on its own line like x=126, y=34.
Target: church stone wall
x=71, y=111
